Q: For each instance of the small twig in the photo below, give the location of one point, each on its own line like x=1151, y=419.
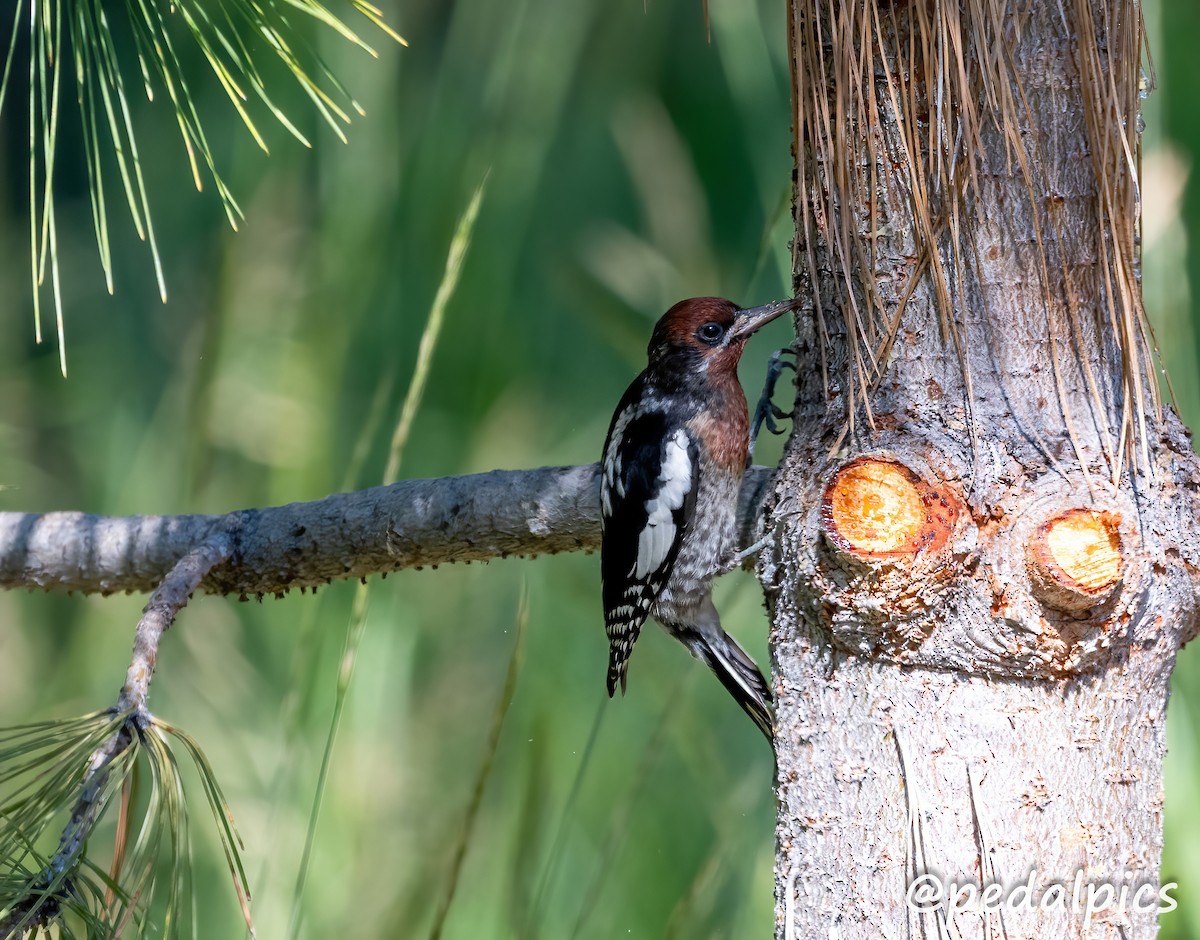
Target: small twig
x=168, y=599
x=42, y=899
x=90, y=803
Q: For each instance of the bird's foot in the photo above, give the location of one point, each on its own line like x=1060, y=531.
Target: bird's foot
x=766, y=411
x=735, y=561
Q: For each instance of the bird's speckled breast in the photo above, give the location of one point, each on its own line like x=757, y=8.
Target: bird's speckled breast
x=705, y=548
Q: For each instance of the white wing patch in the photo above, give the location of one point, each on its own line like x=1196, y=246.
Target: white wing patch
x=675, y=482
x=611, y=481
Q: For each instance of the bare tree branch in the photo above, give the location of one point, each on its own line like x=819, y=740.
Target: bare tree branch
x=168, y=599
x=348, y=535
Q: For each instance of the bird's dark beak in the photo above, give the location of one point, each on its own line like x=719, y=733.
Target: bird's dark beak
x=746, y=322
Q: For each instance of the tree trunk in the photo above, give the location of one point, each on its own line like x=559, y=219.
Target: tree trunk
x=985, y=550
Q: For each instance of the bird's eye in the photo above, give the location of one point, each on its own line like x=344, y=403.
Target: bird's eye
x=711, y=333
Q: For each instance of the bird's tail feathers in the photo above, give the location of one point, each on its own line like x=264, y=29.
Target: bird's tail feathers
x=740, y=676
x=620, y=646
x=618, y=671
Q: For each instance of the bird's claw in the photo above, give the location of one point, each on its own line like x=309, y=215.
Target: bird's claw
x=766, y=411
x=735, y=561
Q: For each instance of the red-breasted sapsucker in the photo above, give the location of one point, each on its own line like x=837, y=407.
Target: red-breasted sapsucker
x=673, y=465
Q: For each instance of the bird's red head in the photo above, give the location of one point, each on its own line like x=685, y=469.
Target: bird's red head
x=708, y=332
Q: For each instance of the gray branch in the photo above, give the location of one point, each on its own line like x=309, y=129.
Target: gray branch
x=164, y=605
x=348, y=535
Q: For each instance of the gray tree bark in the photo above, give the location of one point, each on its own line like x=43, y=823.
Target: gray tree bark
x=966, y=219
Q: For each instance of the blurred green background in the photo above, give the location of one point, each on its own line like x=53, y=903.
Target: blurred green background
x=633, y=162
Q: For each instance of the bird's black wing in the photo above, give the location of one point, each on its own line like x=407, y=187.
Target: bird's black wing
x=650, y=475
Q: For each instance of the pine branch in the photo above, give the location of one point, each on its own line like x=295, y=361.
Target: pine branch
x=409, y=524
x=170, y=597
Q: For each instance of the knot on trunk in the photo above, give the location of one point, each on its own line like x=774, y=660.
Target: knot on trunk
x=885, y=530
x=1075, y=560
x=878, y=510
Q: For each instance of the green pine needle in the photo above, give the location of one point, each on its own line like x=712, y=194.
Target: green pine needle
x=237, y=39
x=49, y=880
